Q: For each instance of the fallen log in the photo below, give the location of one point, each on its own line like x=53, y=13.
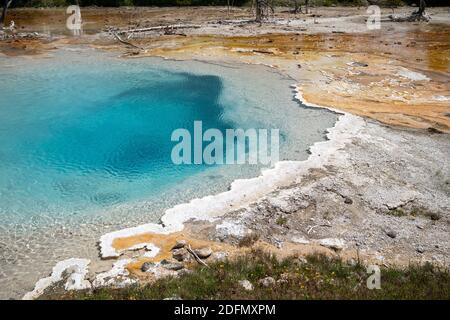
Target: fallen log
x=169, y=27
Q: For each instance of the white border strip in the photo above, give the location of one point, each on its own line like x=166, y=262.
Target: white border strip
x=77, y=268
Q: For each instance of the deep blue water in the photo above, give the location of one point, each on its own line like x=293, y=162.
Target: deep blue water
x=80, y=137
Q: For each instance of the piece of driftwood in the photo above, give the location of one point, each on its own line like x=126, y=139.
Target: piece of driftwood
x=126, y=42
x=196, y=257
x=311, y=228
x=169, y=27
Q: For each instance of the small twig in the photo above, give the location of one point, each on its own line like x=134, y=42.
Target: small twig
x=189, y=249
x=310, y=229
x=357, y=254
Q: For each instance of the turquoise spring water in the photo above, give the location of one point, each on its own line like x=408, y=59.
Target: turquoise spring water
x=79, y=138
x=85, y=146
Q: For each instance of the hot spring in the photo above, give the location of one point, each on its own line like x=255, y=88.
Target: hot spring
x=85, y=146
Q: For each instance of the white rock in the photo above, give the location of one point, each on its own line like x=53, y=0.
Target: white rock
x=411, y=75
x=333, y=243
x=247, y=285
x=203, y=253
x=228, y=228
x=267, y=282
x=300, y=240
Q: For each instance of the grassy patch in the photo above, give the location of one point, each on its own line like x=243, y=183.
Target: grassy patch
x=415, y=212
x=319, y=278
x=397, y=212
x=248, y=240
x=281, y=221
x=425, y=213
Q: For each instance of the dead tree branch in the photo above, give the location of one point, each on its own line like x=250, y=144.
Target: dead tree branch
x=6, y=4
x=196, y=257
x=126, y=42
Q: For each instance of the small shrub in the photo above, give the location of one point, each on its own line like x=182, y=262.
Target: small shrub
x=433, y=215
x=425, y=213
x=281, y=221
x=397, y=212
x=248, y=240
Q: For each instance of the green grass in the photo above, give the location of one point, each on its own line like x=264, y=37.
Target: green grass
x=319, y=278
x=415, y=212
x=397, y=212
x=281, y=221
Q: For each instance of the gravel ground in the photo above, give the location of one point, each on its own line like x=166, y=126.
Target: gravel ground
x=386, y=193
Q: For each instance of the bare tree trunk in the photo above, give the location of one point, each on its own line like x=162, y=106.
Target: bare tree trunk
x=258, y=11
x=418, y=15
x=422, y=6
x=230, y=4
x=263, y=8
x=306, y=6
x=6, y=4
x=297, y=7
